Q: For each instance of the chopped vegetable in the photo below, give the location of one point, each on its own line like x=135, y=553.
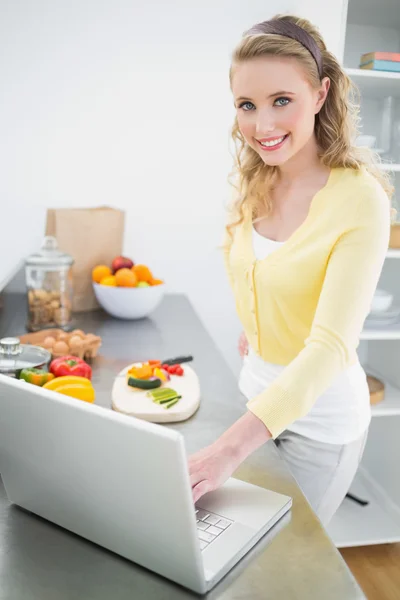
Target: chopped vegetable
x=164, y=396
x=36, y=376
x=174, y=369
x=144, y=384
x=172, y=403
x=161, y=392
x=141, y=371
x=166, y=401
x=161, y=374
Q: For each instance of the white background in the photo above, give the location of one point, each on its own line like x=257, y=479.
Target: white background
x=127, y=103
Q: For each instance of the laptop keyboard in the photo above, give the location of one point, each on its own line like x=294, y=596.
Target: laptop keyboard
x=210, y=526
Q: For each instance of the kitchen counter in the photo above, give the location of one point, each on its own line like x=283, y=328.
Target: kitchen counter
x=295, y=560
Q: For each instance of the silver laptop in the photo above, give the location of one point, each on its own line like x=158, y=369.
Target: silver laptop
x=124, y=484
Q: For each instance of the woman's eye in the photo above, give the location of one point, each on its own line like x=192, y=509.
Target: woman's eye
x=281, y=101
x=246, y=104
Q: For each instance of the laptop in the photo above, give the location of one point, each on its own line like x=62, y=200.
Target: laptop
x=123, y=483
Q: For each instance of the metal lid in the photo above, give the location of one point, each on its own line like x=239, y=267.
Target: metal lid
x=10, y=346
x=49, y=255
x=15, y=356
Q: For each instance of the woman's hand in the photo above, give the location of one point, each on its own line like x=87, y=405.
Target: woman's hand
x=243, y=345
x=213, y=465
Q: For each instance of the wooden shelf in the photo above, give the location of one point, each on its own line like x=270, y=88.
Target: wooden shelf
x=356, y=525
x=375, y=84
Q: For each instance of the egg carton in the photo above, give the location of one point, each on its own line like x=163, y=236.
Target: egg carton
x=59, y=342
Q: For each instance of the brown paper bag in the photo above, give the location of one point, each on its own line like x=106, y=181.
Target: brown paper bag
x=92, y=236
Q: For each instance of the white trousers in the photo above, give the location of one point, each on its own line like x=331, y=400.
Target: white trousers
x=323, y=471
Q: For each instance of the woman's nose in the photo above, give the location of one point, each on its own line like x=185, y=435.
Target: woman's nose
x=265, y=123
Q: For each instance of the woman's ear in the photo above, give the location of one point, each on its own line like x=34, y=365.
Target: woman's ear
x=322, y=94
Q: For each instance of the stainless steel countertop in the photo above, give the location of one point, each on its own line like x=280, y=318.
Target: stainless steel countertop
x=295, y=560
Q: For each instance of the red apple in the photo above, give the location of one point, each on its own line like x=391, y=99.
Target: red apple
x=121, y=262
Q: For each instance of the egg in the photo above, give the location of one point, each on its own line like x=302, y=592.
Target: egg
x=60, y=347
x=75, y=340
x=48, y=342
x=78, y=332
x=62, y=336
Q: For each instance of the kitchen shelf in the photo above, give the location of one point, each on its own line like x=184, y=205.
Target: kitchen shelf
x=395, y=167
x=381, y=332
x=390, y=405
x=393, y=253
x=356, y=525
x=375, y=84
x=375, y=26
x=374, y=14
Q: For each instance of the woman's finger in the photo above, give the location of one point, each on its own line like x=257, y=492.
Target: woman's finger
x=195, y=479
x=200, y=489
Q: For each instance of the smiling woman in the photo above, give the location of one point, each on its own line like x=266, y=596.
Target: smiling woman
x=304, y=248
x=290, y=94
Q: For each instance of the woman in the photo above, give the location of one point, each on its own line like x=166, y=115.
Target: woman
x=304, y=251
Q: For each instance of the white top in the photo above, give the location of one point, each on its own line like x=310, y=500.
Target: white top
x=341, y=414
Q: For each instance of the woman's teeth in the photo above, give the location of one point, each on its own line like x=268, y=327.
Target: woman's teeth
x=273, y=143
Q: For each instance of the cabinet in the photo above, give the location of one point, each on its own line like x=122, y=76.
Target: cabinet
x=372, y=26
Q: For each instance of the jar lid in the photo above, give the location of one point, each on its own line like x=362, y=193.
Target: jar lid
x=49, y=255
x=15, y=356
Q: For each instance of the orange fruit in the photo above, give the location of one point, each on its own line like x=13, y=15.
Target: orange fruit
x=125, y=278
x=99, y=272
x=156, y=282
x=142, y=273
x=110, y=280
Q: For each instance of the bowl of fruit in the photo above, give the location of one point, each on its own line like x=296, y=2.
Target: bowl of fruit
x=127, y=290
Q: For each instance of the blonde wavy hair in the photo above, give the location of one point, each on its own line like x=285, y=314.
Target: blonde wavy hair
x=336, y=124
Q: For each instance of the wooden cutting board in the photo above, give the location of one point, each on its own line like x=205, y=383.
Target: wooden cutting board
x=130, y=401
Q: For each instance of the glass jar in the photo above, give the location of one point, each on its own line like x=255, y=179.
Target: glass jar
x=49, y=287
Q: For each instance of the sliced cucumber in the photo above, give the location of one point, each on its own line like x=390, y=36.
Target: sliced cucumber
x=161, y=393
x=171, y=403
x=169, y=399
x=144, y=384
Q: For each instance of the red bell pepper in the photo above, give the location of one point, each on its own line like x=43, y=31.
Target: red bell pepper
x=70, y=365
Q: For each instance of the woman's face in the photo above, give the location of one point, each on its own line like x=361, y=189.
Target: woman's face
x=276, y=106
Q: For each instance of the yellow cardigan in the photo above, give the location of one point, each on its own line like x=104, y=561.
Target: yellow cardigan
x=305, y=304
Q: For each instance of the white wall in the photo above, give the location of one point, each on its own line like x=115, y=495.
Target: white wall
x=127, y=103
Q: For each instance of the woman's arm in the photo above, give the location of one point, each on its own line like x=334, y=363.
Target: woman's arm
x=212, y=466
x=351, y=278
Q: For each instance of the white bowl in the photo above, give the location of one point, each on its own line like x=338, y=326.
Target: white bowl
x=129, y=303
x=381, y=301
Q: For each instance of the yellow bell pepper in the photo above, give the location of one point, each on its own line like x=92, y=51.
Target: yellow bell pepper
x=74, y=386
x=141, y=371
